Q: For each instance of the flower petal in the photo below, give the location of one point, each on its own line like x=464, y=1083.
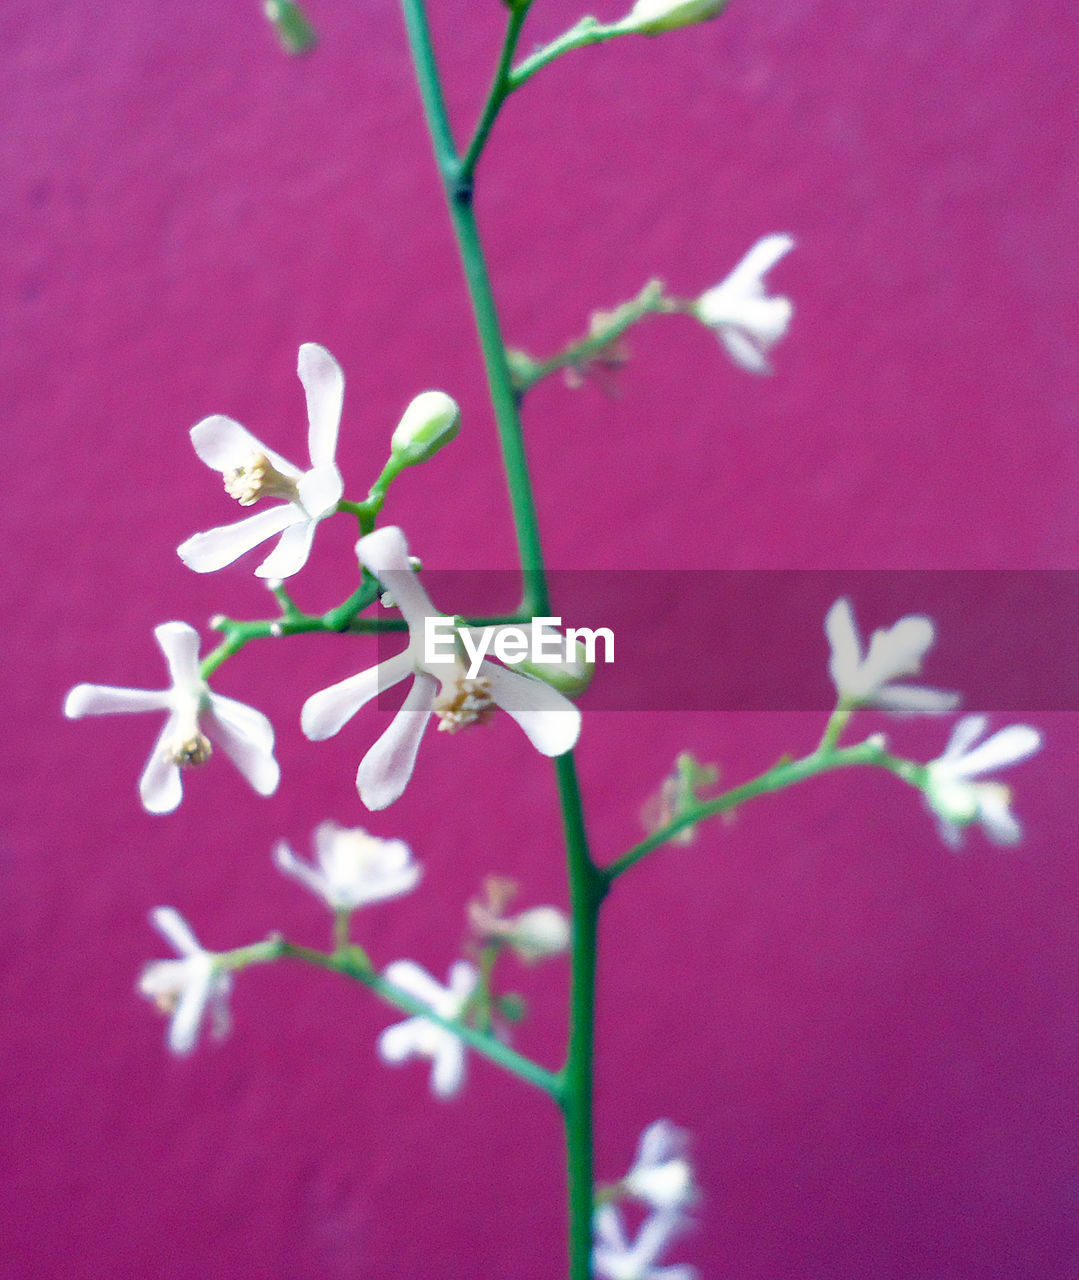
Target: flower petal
x=1009, y=746
x=407, y=976
x=448, y=1072
x=320, y=491
x=247, y=737
x=386, y=768
x=897, y=651
x=324, y=385
x=224, y=445
x=206, y=552
x=845, y=643
x=104, y=699
x=288, y=862
x=179, y=642
x=185, y=1023
x=168, y=922
x=551, y=722
x=965, y=734
x=743, y=350
x=996, y=816
x=290, y=554
x=327, y=711
x=160, y=787
x=385, y=554
x=398, y=1043
x=763, y=256
x=915, y=699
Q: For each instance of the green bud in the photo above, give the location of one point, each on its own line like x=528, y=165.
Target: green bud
x=569, y=675
x=293, y=29
x=429, y=422
x=652, y=17
x=512, y=1007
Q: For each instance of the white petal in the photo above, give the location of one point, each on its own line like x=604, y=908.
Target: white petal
x=759, y=260
x=407, y=976
x=386, y=768
x=743, y=350
x=966, y=732
x=660, y=1142
x=224, y=445
x=168, y=922
x=324, y=385
x=897, y=651
x=463, y=980
x=180, y=645
x=995, y=815
x=551, y=722
x=399, y=1042
x=385, y=554
x=184, y=1026
x=103, y=699
x=160, y=787
x=287, y=862
x=448, y=1072
x=1009, y=746
x=608, y=1230
x=846, y=645
x=212, y=550
x=914, y=699
x=320, y=491
x=290, y=554
x=326, y=712
x=247, y=737
x=658, y=1230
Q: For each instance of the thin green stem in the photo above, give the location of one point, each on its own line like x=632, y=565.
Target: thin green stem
x=587, y=31
x=353, y=963
x=500, y=91
x=871, y=752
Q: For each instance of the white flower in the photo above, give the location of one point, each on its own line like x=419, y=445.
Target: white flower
x=186, y=988
x=420, y=1036
x=534, y=934
x=253, y=471
x=550, y=720
x=354, y=868
x=651, y=17
x=614, y=1258
x=956, y=800
x=246, y=735
x=866, y=680
x=662, y=1175
x=746, y=321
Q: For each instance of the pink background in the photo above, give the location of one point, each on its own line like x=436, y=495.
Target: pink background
x=874, y=1041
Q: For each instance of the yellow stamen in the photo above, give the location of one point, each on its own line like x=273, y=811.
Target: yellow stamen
x=259, y=478
x=464, y=702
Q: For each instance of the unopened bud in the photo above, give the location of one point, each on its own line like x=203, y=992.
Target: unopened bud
x=290, y=22
x=652, y=17
x=429, y=422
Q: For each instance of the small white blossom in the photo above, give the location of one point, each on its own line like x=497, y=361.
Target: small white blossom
x=652, y=17
x=245, y=734
x=747, y=321
x=865, y=680
x=956, y=800
x=534, y=934
x=354, y=868
x=186, y=988
x=253, y=471
x=550, y=720
x=420, y=1037
x=614, y=1258
x=662, y=1175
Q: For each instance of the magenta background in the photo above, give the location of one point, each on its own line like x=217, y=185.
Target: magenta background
x=874, y=1041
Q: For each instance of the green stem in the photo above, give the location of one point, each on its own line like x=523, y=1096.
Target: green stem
x=871, y=752
x=353, y=963
x=587, y=31
x=500, y=91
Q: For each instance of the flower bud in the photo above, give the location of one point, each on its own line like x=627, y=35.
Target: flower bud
x=538, y=932
x=429, y=422
x=290, y=22
x=652, y=17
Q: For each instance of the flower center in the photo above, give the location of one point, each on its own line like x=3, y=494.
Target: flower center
x=259, y=478
x=462, y=702
x=187, y=750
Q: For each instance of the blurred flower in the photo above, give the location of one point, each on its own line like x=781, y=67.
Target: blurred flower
x=652, y=17
x=420, y=1037
x=746, y=320
x=354, y=868
x=662, y=1175
x=185, y=989
x=534, y=934
x=956, y=800
x=614, y=1258
x=246, y=735
x=866, y=680
x=252, y=471
x=677, y=794
x=550, y=720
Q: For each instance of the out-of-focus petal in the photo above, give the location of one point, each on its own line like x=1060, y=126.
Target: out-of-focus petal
x=1008, y=746
x=175, y=929
x=186, y=1020
x=448, y=1072
x=407, y=976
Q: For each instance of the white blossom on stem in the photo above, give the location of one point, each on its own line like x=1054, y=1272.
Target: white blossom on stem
x=253, y=471
x=354, y=868
x=245, y=734
x=188, y=988
x=550, y=721
x=866, y=679
x=419, y=1036
x=614, y=1258
x=652, y=17
x=956, y=800
x=746, y=320
x=662, y=1176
